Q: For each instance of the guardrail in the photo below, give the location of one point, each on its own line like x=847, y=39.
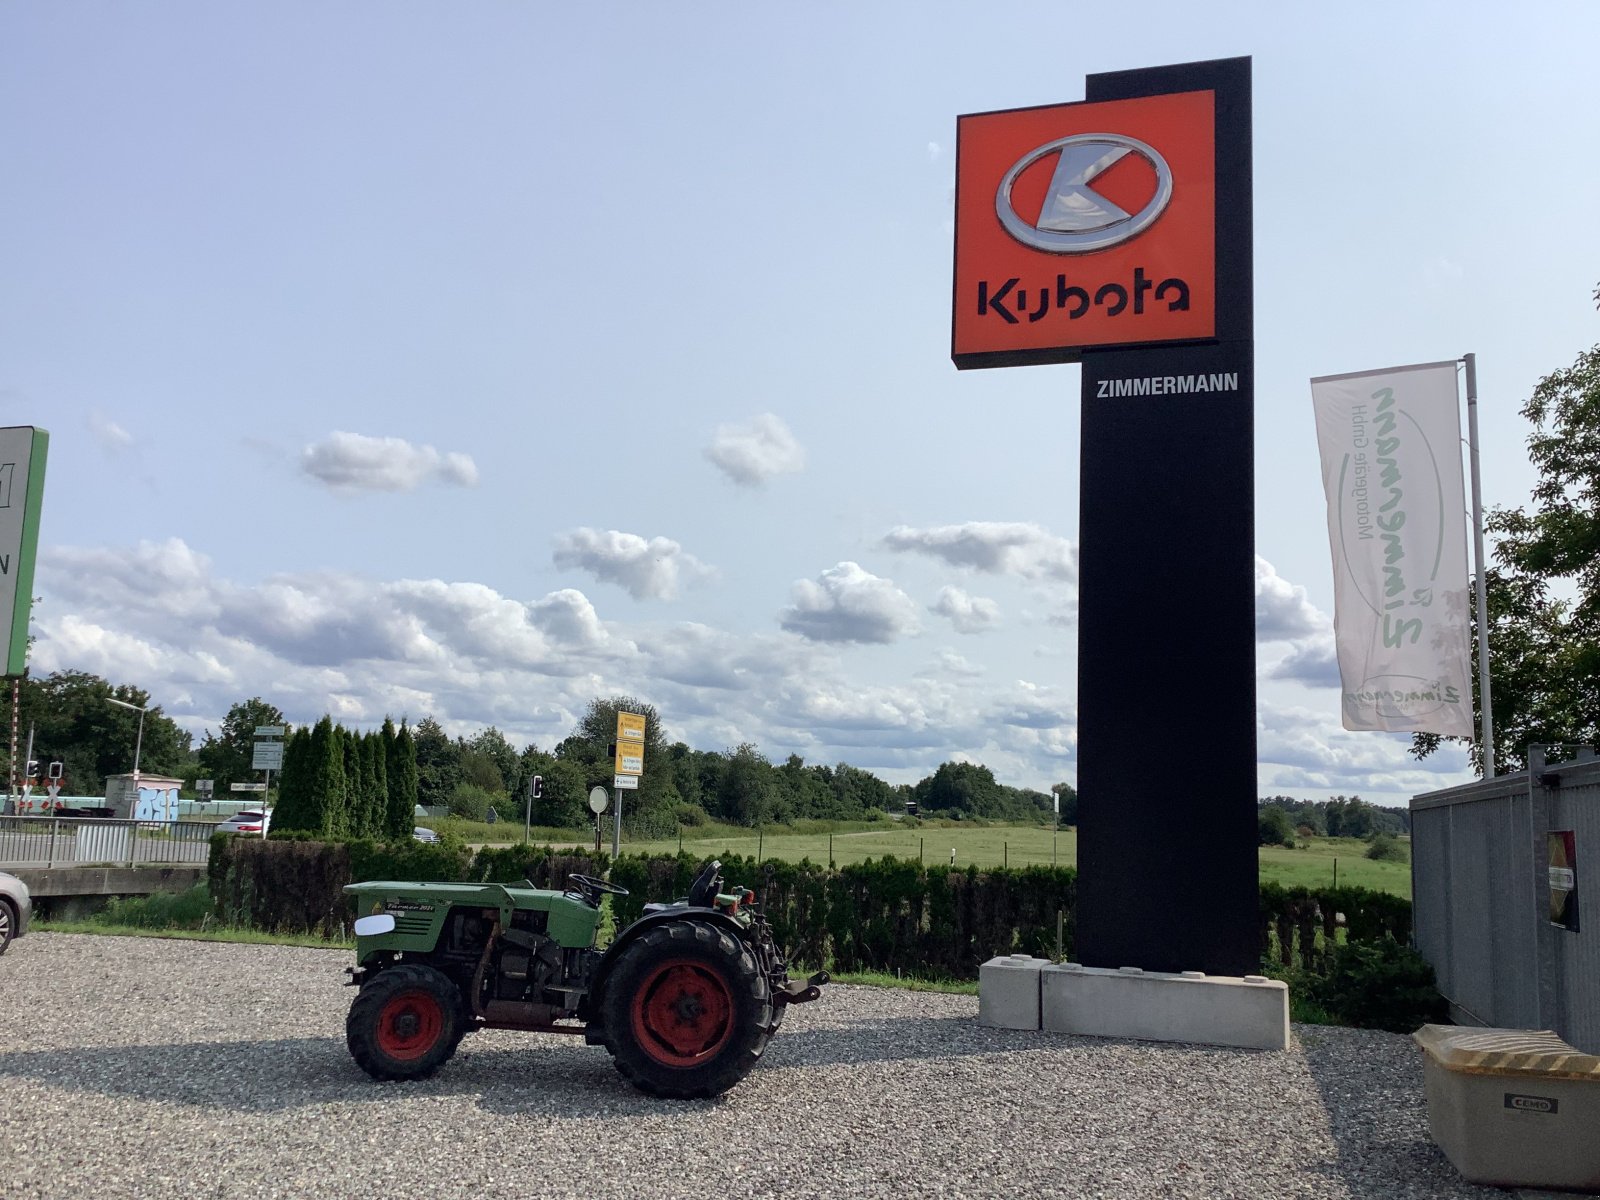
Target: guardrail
x=95, y=841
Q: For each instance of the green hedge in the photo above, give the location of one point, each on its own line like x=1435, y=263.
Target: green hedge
x=888, y=915
x=1300, y=926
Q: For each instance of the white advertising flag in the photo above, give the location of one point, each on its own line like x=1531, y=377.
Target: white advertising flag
x=1391, y=468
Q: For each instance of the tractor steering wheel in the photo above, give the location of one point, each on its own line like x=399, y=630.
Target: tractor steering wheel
x=591, y=889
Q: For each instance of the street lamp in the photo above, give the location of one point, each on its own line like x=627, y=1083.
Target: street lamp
x=139, y=741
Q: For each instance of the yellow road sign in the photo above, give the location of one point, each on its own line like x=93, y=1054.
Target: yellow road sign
x=630, y=744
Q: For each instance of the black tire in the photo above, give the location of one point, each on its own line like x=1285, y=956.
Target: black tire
x=686, y=1011
x=405, y=1023
x=8, y=924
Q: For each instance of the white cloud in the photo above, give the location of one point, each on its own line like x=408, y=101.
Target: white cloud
x=1306, y=751
x=969, y=614
x=948, y=662
x=111, y=436
x=848, y=604
x=649, y=570
x=1033, y=707
x=753, y=453
x=993, y=547
x=358, y=463
x=1312, y=662
x=1284, y=612
x=568, y=618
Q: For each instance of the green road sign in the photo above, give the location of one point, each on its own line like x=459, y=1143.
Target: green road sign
x=22, y=457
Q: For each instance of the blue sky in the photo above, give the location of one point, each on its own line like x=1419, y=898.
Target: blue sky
x=476, y=360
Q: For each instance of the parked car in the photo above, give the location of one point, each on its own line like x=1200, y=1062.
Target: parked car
x=423, y=834
x=248, y=821
x=16, y=909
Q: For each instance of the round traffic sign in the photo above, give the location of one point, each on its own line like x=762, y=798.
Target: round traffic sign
x=598, y=799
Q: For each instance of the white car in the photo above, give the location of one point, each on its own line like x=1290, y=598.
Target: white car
x=16, y=909
x=248, y=821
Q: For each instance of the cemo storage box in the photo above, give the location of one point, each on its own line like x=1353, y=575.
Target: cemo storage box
x=1513, y=1107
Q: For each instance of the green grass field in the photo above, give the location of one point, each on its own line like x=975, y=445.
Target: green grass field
x=1026, y=845
x=1310, y=864
x=984, y=846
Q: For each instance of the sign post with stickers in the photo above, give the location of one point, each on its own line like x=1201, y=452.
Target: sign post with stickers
x=628, y=764
x=267, y=755
x=1116, y=233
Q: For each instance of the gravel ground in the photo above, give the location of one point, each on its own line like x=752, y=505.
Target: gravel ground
x=136, y=1067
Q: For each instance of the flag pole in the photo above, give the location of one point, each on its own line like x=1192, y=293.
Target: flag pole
x=1486, y=701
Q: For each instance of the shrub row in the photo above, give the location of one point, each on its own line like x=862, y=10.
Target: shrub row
x=881, y=915
x=1299, y=925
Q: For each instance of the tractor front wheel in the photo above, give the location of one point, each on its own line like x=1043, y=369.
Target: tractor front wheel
x=686, y=1011
x=405, y=1023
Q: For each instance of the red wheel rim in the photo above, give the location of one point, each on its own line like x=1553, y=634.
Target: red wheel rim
x=683, y=1013
x=409, y=1025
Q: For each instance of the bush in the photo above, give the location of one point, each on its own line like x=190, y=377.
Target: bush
x=471, y=802
x=159, y=910
x=1273, y=829
x=1379, y=985
x=1385, y=847
x=691, y=814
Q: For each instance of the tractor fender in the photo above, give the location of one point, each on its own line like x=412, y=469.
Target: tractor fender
x=706, y=916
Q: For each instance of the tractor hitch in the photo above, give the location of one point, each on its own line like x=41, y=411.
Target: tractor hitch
x=794, y=991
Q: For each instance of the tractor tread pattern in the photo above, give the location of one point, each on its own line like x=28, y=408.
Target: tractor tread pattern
x=753, y=1012
x=362, y=1022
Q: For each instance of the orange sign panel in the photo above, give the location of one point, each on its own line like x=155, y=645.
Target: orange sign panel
x=1084, y=226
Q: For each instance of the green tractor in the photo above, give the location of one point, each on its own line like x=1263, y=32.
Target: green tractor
x=685, y=998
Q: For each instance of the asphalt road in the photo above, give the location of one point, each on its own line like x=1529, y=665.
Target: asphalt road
x=136, y=1067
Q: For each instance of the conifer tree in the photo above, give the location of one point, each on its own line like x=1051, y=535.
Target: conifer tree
x=351, y=806
x=402, y=780
x=294, y=810
x=325, y=784
x=378, y=792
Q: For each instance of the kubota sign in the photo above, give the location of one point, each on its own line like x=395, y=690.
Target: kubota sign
x=1084, y=226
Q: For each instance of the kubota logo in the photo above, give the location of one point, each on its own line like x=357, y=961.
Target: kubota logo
x=1076, y=219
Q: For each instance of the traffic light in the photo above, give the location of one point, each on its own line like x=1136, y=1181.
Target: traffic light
x=55, y=770
x=32, y=771
x=536, y=787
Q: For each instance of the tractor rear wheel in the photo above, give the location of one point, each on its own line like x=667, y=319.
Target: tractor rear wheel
x=405, y=1023
x=686, y=1011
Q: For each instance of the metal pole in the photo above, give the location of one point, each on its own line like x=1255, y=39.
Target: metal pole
x=616, y=824
x=527, y=819
x=1486, y=700
x=27, y=755
x=266, y=804
x=138, y=744
x=16, y=706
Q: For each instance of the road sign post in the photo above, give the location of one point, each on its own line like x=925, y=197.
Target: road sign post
x=597, y=805
x=535, y=790
x=628, y=764
x=268, y=757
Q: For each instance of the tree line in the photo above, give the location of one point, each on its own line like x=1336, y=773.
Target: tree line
x=366, y=783
x=1281, y=818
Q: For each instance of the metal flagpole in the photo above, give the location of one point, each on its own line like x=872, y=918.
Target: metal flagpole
x=1486, y=721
